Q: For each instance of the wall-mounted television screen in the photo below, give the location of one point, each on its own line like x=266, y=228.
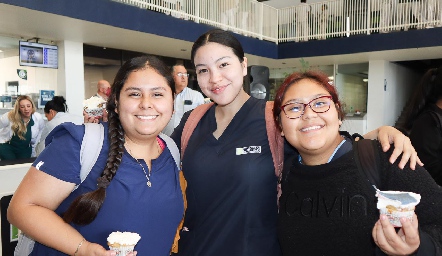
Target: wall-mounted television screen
x=38, y=55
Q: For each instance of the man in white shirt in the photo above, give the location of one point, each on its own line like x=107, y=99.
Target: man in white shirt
x=103, y=88
x=185, y=98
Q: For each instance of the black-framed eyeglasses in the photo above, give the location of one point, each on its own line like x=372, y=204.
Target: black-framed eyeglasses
x=183, y=74
x=295, y=110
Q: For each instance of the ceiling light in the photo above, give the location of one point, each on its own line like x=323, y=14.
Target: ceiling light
x=365, y=80
x=331, y=78
x=1, y=51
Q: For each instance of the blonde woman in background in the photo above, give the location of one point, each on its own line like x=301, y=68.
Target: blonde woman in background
x=20, y=130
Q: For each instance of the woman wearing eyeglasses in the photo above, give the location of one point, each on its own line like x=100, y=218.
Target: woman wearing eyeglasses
x=232, y=207
x=20, y=130
x=327, y=207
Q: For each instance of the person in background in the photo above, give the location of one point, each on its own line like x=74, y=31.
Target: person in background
x=232, y=198
x=423, y=122
x=185, y=98
x=323, y=21
x=327, y=206
x=133, y=186
x=178, y=11
x=302, y=21
x=103, y=92
x=56, y=113
x=431, y=8
x=404, y=13
x=20, y=130
x=228, y=9
x=418, y=11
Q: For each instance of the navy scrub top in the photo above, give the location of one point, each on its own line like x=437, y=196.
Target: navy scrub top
x=231, y=187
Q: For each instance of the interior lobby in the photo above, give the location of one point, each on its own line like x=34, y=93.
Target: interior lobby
x=372, y=71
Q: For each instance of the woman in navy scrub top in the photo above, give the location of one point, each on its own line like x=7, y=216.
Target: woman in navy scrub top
x=231, y=183
x=138, y=186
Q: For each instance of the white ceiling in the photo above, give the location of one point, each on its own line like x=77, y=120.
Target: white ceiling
x=17, y=22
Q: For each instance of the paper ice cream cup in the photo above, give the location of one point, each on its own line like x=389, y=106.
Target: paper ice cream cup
x=122, y=242
x=94, y=106
x=122, y=250
x=397, y=204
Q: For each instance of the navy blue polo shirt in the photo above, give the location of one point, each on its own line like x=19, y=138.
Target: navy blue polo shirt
x=153, y=212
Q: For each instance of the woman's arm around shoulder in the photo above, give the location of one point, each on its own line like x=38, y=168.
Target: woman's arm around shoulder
x=402, y=145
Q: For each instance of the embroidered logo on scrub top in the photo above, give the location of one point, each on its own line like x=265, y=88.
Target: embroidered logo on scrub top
x=39, y=165
x=248, y=150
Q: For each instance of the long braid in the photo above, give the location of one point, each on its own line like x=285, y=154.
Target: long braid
x=84, y=208
x=116, y=150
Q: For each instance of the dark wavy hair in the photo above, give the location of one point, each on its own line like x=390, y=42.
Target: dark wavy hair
x=318, y=77
x=218, y=36
x=84, y=209
x=428, y=92
x=58, y=103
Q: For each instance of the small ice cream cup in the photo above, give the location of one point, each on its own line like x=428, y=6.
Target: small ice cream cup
x=94, y=106
x=122, y=243
x=397, y=204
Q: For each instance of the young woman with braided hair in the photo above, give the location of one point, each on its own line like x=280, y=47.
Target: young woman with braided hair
x=133, y=185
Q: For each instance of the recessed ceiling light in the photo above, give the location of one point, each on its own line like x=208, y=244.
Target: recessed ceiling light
x=1, y=51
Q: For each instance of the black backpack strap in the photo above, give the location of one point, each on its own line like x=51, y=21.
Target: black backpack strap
x=368, y=160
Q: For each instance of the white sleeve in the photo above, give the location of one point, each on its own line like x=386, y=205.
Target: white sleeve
x=4, y=120
x=199, y=99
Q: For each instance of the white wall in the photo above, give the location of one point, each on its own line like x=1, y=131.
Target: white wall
x=93, y=74
x=37, y=78
x=71, y=75
x=385, y=106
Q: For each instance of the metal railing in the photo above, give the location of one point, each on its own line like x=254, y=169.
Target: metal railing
x=316, y=21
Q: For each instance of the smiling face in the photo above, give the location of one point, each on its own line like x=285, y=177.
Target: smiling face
x=220, y=73
x=145, y=104
x=313, y=134
x=25, y=108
